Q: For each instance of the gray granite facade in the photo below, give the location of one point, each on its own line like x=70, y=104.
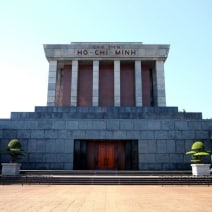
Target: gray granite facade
x=147, y=138
x=48, y=134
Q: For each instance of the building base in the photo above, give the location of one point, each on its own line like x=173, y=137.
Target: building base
x=105, y=138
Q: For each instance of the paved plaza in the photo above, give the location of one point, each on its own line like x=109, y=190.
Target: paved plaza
x=93, y=198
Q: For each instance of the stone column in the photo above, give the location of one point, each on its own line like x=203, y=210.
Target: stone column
x=117, y=83
x=138, y=83
x=58, y=97
x=52, y=83
x=95, y=97
x=74, y=83
x=159, y=84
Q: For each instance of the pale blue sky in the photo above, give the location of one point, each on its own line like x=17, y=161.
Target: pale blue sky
x=184, y=24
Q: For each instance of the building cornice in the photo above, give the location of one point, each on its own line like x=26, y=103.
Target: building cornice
x=106, y=50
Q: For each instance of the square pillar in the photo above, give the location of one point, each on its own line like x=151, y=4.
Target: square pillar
x=52, y=83
x=58, y=97
x=95, y=97
x=159, y=84
x=138, y=83
x=117, y=83
x=74, y=83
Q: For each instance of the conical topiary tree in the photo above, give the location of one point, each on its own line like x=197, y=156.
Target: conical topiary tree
x=198, y=152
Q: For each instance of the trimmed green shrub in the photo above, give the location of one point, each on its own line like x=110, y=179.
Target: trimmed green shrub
x=14, y=150
x=198, y=152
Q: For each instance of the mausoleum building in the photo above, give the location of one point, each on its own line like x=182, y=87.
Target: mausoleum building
x=106, y=110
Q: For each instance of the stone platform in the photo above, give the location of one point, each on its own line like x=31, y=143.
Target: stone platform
x=49, y=134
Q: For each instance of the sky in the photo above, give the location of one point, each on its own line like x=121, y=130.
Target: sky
x=26, y=25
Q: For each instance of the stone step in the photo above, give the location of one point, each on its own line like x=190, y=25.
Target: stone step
x=92, y=109
x=107, y=180
x=106, y=172
x=103, y=115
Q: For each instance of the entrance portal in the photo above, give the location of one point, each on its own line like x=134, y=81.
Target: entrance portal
x=105, y=155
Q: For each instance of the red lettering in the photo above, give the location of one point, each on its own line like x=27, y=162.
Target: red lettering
x=133, y=52
x=117, y=52
x=85, y=51
x=101, y=52
x=126, y=52
x=79, y=52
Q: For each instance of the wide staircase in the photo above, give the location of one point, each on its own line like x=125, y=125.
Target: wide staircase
x=58, y=177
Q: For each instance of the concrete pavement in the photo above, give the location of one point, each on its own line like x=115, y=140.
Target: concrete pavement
x=44, y=198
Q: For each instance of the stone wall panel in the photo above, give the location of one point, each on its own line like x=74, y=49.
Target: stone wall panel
x=188, y=134
x=147, y=158
x=112, y=124
x=69, y=147
x=152, y=146
x=161, y=146
x=74, y=125
x=176, y=158
x=10, y=133
x=106, y=134
x=207, y=124
x=51, y=134
x=132, y=135
x=171, y=146
x=126, y=125
x=167, y=125
x=59, y=125
x=146, y=124
x=21, y=134
x=147, y=134
x=45, y=124
x=194, y=125
x=181, y=125
x=37, y=134
x=165, y=134
x=199, y=135
x=35, y=157
x=143, y=146
x=162, y=158
x=119, y=134
x=68, y=166
x=36, y=146
x=91, y=134
x=180, y=146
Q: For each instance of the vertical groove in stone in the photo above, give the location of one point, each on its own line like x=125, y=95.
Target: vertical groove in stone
x=138, y=83
x=116, y=83
x=74, y=83
x=95, y=97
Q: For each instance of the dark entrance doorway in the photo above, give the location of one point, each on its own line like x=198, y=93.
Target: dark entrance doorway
x=106, y=155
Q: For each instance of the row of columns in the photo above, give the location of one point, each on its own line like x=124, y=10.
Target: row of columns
x=158, y=83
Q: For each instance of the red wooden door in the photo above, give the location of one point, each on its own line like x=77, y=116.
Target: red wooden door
x=106, y=155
